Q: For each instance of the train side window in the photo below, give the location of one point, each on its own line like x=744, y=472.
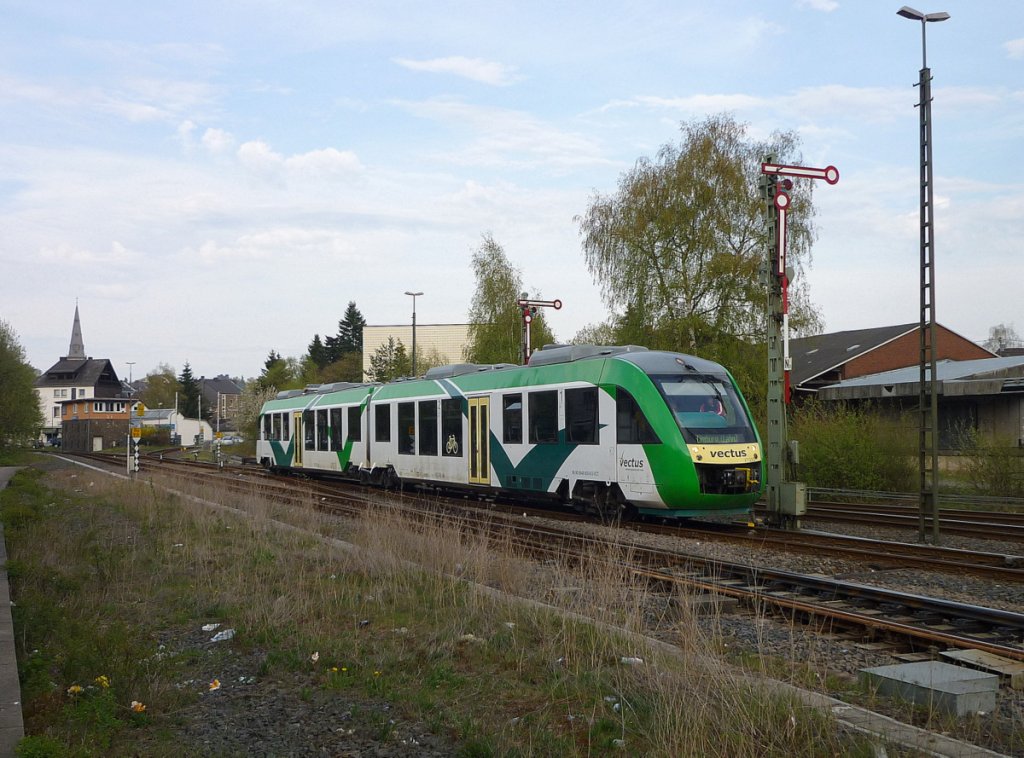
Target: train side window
x=321, y=429
x=309, y=429
x=428, y=427
x=355, y=429
x=286, y=426
x=632, y=426
x=267, y=428
x=451, y=427
x=581, y=415
x=337, y=438
x=407, y=428
x=512, y=419
x=382, y=423
x=543, y=417
x=275, y=429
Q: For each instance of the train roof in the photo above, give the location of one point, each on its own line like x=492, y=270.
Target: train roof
x=649, y=361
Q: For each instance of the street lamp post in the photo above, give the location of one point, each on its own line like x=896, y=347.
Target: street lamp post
x=414, y=295
x=928, y=398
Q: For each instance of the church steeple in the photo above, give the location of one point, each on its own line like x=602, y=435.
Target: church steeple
x=77, y=349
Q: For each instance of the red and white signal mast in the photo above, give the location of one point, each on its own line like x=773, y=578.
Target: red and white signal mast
x=787, y=500
x=529, y=310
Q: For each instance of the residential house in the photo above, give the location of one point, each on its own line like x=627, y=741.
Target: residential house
x=175, y=429
x=221, y=395
x=73, y=377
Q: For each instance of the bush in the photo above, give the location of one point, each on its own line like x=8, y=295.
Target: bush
x=854, y=447
x=991, y=466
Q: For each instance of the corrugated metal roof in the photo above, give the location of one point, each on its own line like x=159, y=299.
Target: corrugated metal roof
x=983, y=376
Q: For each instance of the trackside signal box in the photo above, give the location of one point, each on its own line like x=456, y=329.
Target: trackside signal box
x=793, y=498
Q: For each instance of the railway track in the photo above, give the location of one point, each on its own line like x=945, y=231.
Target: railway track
x=1004, y=526
x=908, y=621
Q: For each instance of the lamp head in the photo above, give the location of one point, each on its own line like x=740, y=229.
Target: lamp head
x=915, y=15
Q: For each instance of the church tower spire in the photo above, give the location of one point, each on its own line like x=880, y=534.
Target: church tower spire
x=77, y=349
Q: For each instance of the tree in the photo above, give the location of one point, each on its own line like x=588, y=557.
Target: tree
x=189, y=406
x=595, y=334
x=1001, y=337
x=389, y=361
x=318, y=353
x=277, y=373
x=250, y=403
x=350, y=331
x=495, y=321
x=340, y=358
x=20, y=416
x=679, y=248
x=162, y=388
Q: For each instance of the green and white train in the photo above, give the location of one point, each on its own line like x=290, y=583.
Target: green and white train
x=617, y=430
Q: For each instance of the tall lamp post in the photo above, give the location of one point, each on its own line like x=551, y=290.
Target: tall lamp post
x=414, y=295
x=928, y=398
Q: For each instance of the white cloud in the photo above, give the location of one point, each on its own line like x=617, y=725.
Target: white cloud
x=256, y=155
x=475, y=69
x=509, y=139
x=1015, y=48
x=72, y=255
x=819, y=5
x=324, y=162
x=218, y=141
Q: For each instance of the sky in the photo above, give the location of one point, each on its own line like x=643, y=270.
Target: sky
x=210, y=181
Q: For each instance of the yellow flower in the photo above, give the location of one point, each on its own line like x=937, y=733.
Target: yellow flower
x=138, y=707
x=376, y=673
x=74, y=689
x=334, y=669
x=344, y=669
x=215, y=685
x=103, y=681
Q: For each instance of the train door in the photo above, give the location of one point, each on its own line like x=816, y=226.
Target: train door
x=297, y=437
x=479, y=440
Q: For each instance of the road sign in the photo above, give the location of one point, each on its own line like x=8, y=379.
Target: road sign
x=136, y=433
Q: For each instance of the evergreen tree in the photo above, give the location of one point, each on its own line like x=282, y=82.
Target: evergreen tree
x=389, y=361
x=189, y=406
x=318, y=352
x=277, y=374
x=350, y=331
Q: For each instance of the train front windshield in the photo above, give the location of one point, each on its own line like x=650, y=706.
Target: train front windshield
x=707, y=408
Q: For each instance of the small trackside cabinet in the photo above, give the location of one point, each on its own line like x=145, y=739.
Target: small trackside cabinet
x=793, y=497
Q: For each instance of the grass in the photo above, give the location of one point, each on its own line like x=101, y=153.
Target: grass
x=109, y=578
